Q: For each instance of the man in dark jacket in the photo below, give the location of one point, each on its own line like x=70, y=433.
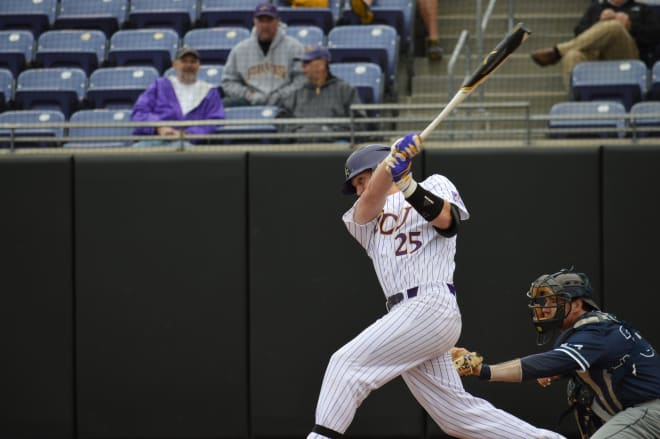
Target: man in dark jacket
x=323, y=96
x=608, y=30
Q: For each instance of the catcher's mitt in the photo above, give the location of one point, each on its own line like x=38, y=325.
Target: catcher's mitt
x=466, y=362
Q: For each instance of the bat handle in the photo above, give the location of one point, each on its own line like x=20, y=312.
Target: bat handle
x=455, y=101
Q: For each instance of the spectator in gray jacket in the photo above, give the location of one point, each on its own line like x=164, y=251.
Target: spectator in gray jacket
x=262, y=70
x=322, y=96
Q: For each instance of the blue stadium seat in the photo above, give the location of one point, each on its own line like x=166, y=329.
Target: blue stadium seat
x=6, y=89
x=654, y=89
x=31, y=117
x=100, y=117
x=367, y=78
x=143, y=47
x=119, y=87
x=214, y=44
x=108, y=16
x=573, y=115
x=57, y=88
x=376, y=43
x=622, y=81
x=211, y=73
x=644, y=115
x=307, y=35
x=319, y=17
x=264, y=112
x=16, y=50
x=179, y=15
x=399, y=14
x=71, y=48
x=217, y=13
x=35, y=16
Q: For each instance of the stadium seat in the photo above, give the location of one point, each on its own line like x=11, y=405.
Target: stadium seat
x=319, y=17
x=654, y=89
x=57, y=88
x=32, y=15
x=307, y=35
x=108, y=16
x=16, y=50
x=218, y=13
x=6, y=89
x=143, y=47
x=399, y=14
x=211, y=73
x=264, y=112
x=119, y=87
x=214, y=44
x=574, y=115
x=100, y=117
x=71, y=48
x=179, y=15
x=621, y=81
x=367, y=78
x=377, y=43
x=644, y=115
x=31, y=117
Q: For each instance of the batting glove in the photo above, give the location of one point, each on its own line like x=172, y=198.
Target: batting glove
x=409, y=146
x=399, y=167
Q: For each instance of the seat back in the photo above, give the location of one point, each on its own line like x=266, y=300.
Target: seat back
x=71, y=48
x=105, y=15
x=396, y=13
x=143, y=47
x=214, y=44
x=57, y=88
x=260, y=112
x=179, y=15
x=211, y=73
x=105, y=118
x=645, y=119
x=35, y=16
x=38, y=117
x=216, y=13
x=622, y=81
x=602, y=119
x=367, y=78
x=119, y=87
x=378, y=44
x=307, y=35
x=654, y=89
x=16, y=50
x=6, y=88
x=319, y=17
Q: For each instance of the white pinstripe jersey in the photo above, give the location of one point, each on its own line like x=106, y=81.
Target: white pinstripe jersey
x=405, y=248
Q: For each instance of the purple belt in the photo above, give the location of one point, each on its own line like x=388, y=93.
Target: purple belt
x=397, y=298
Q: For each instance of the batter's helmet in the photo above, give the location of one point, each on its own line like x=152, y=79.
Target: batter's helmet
x=365, y=158
x=554, y=291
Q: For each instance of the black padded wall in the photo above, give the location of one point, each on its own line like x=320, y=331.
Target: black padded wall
x=161, y=304
x=312, y=289
x=36, y=306
x=533, y=212
x=631, y=219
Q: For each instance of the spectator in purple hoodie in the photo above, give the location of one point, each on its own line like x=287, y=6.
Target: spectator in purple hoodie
x=183, y=97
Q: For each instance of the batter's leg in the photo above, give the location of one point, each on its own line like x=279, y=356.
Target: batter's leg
x=438, y=388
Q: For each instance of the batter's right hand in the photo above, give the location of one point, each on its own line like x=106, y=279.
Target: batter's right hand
x=399, y=166
x=409, y=146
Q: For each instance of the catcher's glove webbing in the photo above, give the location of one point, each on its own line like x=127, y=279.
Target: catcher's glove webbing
x=466, y=362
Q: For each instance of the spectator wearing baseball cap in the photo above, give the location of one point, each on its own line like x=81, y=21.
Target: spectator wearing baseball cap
x=263, y=69
x=178, y=98
x=322, y=96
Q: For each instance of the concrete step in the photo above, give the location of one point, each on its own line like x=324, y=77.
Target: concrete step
x=535, y=41
x=501, y=82
x=450, y=7
x=539, y=24
x=518, y=62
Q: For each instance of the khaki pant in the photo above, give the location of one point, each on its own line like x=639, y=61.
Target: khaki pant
x=605, y=40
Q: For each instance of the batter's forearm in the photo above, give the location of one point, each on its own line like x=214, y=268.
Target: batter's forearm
x=371, y=202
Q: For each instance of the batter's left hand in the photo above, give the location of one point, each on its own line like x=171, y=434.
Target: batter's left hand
x=399, y=166
x=409, y=146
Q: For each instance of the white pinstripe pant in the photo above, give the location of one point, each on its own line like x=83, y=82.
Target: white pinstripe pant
x=413, y=341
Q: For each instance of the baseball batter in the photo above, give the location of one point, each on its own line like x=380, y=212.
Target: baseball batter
x=409, y=231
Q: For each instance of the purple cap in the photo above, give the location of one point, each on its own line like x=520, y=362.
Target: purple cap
x=266, y=9
x=315, y=52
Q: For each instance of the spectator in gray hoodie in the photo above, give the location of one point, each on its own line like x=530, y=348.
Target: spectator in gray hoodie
x=322, y=96
x=263, y=69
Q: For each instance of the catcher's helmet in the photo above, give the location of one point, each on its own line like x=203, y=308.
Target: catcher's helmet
x=553, y=292
x=365, y=158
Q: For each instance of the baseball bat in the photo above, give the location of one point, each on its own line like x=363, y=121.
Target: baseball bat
x=490, y=63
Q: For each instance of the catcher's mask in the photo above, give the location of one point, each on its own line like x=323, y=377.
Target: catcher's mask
x=550, y=299
x=365, y=158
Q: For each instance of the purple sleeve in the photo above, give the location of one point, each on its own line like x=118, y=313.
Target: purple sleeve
x=210, y=108
x=143, y=109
